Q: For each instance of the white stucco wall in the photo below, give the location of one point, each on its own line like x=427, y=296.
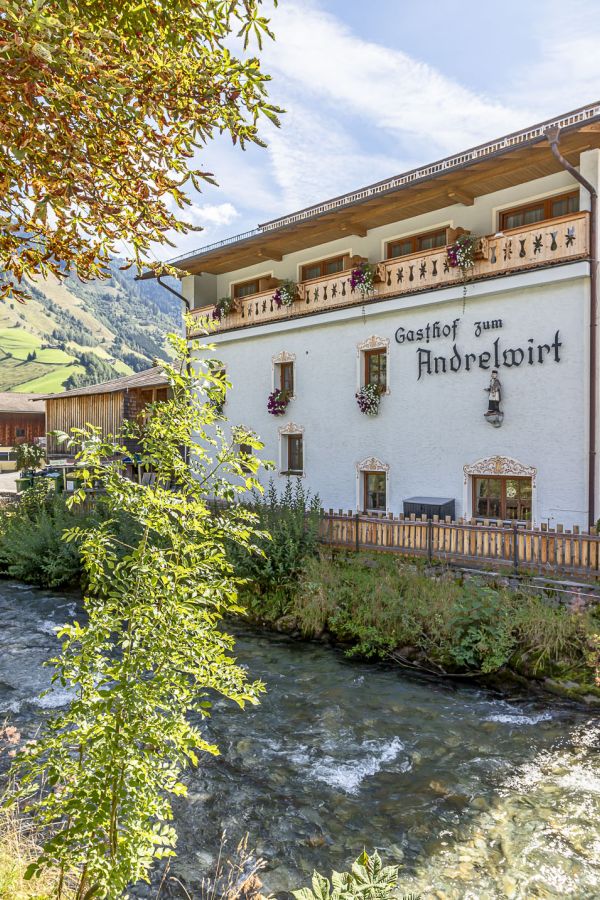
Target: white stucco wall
x=428, y=429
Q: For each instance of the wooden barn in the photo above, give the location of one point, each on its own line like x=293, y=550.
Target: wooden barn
x=105, y=405
x=22, y=421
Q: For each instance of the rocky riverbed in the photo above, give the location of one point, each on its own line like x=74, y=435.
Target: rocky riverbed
x=478, y=796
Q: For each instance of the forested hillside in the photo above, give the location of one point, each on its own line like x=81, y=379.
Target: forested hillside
x=70, y=334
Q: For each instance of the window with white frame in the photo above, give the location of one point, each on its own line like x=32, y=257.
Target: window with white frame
x=284, y=374
x=291, y=450
x=373, y=363
x=372, y=486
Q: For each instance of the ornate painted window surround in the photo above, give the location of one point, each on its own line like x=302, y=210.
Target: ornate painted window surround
x=283, y=357
x=371, y=464
x=501, y=466
x=372, y=343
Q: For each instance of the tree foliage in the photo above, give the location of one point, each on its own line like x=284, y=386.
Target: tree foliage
x=144, y=667
x=103, y=106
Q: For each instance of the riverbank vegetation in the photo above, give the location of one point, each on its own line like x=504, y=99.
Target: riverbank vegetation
x=32, y=548
x=426, y=617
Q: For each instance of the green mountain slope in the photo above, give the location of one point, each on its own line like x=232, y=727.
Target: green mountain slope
x=70, y=334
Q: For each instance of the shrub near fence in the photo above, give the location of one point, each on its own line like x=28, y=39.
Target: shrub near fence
x=508, y=545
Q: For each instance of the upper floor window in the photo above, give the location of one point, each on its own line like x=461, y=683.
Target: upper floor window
x=373, y=366
x=416, y=243
x=376, y=367
x=284, y=376
x=246, y=288
x=322, y=268
x=540, y=210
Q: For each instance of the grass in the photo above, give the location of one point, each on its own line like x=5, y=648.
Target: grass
x=15, y=374
x=18, y=343
x=54, y=356
x=50, y=382
x=18, y=848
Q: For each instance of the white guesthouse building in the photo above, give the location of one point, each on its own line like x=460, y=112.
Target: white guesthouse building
x=436, y=345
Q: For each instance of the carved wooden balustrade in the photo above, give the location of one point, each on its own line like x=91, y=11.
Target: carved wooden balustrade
x=540, y=244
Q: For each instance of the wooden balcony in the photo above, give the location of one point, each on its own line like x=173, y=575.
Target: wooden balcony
x=534, y=246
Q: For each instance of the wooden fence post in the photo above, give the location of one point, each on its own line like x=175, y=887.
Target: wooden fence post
x=430, y=541
x=515, y=549
x=357, y=526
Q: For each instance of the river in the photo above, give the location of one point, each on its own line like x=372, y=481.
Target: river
x=479, y=797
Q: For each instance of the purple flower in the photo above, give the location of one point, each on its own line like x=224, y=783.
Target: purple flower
x=277, y=402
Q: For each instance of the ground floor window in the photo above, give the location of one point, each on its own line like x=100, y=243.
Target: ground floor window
x=293, y=454
x=502, y=497
x=375, y=491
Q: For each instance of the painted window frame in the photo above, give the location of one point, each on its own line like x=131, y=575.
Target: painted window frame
x=371, y=466
x=277, y=362
x=496, y=466
x=372, y=344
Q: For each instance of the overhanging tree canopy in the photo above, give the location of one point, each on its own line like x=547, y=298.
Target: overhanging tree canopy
x=103, y=104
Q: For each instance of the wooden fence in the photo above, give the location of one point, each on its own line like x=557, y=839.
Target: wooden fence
x=511, y=546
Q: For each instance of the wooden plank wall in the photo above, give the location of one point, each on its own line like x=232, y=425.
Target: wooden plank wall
x=510, y=546
x=65, y=413
x=31, y=423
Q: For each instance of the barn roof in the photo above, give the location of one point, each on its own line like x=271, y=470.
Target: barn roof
x=154, y=377
x=25, y=403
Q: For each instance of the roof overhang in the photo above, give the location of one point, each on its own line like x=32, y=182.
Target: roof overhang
x=503, y=163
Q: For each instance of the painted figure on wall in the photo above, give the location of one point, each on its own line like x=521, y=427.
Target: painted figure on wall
x=494, y=415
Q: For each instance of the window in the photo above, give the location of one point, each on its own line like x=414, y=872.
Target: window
x=502, y=498
x=375, y=491
x=540, y=211
x=245, y=451
x=292, y=454
x=246, y=288
x=416, y=243
x=322, y=268
x=284, y=377
x=376, y=367
x=19, y=432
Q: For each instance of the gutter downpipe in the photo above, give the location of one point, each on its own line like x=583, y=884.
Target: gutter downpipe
x=552, y=134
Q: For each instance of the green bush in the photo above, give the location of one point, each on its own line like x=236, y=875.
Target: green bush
x=31, y=544
x=291, y=522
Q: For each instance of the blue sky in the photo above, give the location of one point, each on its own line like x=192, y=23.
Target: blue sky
x=375, y=87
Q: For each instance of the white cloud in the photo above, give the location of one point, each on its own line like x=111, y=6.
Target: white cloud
x=379, y=87
x=211, y=214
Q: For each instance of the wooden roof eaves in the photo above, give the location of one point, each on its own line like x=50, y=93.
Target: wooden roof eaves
x=240, y=254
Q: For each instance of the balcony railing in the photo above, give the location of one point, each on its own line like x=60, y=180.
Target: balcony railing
x=541, y=244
